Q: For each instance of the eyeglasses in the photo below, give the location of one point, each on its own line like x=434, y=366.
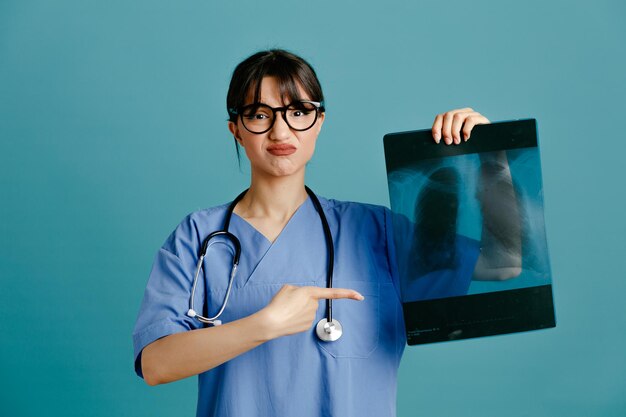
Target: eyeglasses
x=259, y=118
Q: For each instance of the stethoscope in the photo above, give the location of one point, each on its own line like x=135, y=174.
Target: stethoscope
x=327, y=329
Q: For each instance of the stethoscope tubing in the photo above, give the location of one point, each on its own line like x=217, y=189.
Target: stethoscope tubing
x=191, y=312
x=327, y=329
x=330, y=251
x=203, y=249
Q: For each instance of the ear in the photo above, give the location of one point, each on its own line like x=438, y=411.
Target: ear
x=234, y=129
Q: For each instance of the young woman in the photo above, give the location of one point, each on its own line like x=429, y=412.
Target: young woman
x=266, y=359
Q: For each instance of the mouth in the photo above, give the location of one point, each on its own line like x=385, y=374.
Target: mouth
x=281, y=150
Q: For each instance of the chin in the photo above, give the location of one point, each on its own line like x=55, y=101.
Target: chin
x=285, y=168
x=286, y=172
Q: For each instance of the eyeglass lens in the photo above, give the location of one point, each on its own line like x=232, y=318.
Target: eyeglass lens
x=259, y=118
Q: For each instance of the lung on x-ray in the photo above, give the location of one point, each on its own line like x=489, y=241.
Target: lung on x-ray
x=469, y=235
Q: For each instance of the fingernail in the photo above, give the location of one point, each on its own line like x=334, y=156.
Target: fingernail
x=437, y=137
x=360, y=297
x=448, y=141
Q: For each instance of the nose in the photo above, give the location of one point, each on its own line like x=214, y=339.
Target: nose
x=280, y=130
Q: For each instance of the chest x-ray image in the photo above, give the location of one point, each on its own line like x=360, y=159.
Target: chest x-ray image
x=469, y=233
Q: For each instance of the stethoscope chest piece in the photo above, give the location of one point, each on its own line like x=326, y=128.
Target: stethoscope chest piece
x=328, y=332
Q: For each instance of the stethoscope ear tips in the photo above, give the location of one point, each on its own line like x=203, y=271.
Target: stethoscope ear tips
x=192, y=313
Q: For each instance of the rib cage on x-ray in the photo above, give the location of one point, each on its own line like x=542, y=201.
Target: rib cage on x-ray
x=439, y=197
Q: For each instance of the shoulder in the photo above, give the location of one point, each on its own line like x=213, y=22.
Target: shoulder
x=207, y=216
x=364, y=211
x=193, y=227
x=367, y=219
x=367, y=231
x=352, y=207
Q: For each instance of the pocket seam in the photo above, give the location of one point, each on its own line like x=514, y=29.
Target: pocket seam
x=375, y=287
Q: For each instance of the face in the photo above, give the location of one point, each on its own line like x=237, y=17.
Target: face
x=280, y=151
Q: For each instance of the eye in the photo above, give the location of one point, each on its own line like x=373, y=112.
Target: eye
x=257, y=113
x=300, y=109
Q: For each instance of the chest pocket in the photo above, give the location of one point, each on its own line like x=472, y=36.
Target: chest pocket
x=361, y=321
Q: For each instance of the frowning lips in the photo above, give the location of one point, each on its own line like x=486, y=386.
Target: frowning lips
x=281, y=150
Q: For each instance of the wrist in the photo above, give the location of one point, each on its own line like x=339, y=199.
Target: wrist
x=264, y=325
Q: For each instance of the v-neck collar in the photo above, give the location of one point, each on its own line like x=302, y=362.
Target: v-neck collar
x=256, y=249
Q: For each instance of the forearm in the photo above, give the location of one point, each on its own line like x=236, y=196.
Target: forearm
x=292, y=310
x=501, y=243
x=185, y=354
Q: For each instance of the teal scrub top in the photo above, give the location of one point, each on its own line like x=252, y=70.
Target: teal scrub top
x=296, y=375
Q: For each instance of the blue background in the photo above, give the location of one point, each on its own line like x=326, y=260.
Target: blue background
x=112, y=128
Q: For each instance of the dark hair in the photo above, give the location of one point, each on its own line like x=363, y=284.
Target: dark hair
x=289, y=69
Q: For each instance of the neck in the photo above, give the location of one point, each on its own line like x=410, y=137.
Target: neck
x=274, y=198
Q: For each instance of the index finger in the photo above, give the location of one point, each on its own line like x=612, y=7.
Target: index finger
x=436, y=129
x=334, y=293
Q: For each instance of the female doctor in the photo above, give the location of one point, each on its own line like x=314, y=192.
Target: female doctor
x=266, y=358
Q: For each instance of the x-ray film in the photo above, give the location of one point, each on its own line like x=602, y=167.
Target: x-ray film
x=469, y=233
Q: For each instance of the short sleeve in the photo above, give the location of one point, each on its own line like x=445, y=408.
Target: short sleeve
x=445, y=282
x=165, y=303
x=469, y=251
x=439, y=283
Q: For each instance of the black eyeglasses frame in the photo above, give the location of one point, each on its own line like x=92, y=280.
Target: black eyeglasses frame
x=319, y=108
